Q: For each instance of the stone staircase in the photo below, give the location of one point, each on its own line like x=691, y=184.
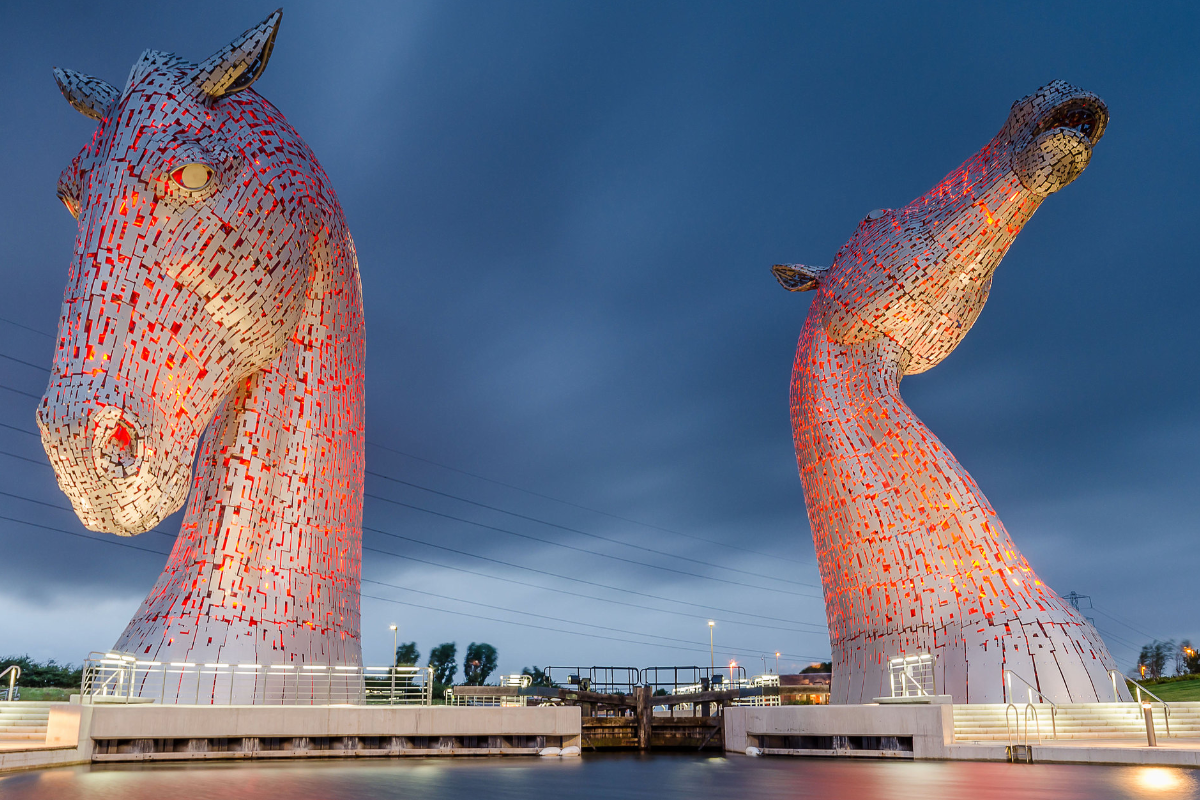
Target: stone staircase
x=984, y=722
x=24, y=722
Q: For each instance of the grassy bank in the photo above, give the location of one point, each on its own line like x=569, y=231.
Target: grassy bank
x=1183, y=688
x=47, y=693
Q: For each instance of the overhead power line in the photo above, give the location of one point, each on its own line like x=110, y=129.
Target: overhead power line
x=816, y=628
x=1126, y=624
x=527, y=613
x=752, y=654
x=443, y=610
x=539, y=539
x=26, y=327
x=19, y=391
x=775, y=556
x=532, y=493
x=591, y=552
x=577, y=531
x=81, y=535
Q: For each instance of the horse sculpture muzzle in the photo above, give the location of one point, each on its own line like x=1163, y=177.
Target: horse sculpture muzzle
x=1054, y=131
x=112, y=460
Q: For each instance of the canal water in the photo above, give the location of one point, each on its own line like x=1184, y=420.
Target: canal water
x=658, y=777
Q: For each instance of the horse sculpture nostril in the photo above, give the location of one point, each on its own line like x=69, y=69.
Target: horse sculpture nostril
x=1053, y=160
x=118, y=446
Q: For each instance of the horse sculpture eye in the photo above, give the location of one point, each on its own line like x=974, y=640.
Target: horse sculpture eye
x=192, y=176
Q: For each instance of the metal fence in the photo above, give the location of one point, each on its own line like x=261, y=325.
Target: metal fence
x=682, y=680
x=121, y=678
x=912, y=676
x=623, y=680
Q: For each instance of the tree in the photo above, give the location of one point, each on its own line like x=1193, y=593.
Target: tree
x=1152, y=661
x=479, y=663
x=407, y=655
x=442, y=659
x=823, y=666
x=1190, y=657
x=540, y=677
x=38, y=674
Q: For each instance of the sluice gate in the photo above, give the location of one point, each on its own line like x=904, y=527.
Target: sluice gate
x=679, y=708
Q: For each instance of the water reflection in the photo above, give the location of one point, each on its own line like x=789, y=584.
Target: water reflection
x=642, y=778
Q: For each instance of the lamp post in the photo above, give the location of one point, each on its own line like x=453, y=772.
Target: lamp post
x=395, y=646
x=712, y=662
x=776, y=662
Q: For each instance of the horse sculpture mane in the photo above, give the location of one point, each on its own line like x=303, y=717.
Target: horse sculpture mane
x=913, y=558
x=214, y=292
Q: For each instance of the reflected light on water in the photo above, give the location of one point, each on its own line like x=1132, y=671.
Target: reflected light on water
x=1159, y=779
x=600, y=777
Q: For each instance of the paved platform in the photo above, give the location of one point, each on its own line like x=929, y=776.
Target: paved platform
x=1168, y=753
x=928, y=732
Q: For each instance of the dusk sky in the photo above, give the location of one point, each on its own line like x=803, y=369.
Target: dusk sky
x=565, y=217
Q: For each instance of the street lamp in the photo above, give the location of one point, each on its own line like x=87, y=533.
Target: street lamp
x=712, y=662
x=395, y=642
x=776, y=662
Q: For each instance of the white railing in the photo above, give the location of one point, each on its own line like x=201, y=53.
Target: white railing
x=765, y=682
x=518, y=681
x=1031, y=690
x=503, y=696
x=122, y=678
x=912, y=676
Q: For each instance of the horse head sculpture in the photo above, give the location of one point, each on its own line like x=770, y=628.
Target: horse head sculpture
x=913, y=558
x=213, y=292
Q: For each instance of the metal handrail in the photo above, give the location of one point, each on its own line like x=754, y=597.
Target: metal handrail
x=905, y=677
x=1112, y=673
x=13, y=671
x=1032, y=690
x=110, y=677
x=1008, y=732
x=1028, y=709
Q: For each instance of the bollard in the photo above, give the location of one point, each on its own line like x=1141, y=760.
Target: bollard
x=1148, y=713
x=645, y=715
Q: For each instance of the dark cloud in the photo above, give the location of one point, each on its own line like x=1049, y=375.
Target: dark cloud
x=565, y=215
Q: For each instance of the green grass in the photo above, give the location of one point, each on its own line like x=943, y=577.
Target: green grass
x=1181, y=689
x=51, y=693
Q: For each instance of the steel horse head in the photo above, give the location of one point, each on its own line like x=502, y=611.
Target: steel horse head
x=213, y=292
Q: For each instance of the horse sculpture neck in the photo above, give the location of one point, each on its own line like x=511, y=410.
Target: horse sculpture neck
x=913, y=558
x=266, y=567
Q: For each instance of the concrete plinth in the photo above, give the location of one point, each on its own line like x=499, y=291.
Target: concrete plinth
x=878, y=731
x=85, y=733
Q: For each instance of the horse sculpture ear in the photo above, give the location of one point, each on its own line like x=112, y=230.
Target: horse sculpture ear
x=798, y=277
x=238, y=64
x=89, y=96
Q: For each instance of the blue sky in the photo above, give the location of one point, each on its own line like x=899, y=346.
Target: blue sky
x=565, y=216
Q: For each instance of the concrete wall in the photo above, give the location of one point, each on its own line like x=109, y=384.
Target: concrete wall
x=184, y=722
x=85, y=733
x=930, y=726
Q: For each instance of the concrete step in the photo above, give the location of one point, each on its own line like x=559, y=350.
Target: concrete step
x=983, y=723
x=24, y=722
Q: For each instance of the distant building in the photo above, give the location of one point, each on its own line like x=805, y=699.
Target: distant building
x=805, y=689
